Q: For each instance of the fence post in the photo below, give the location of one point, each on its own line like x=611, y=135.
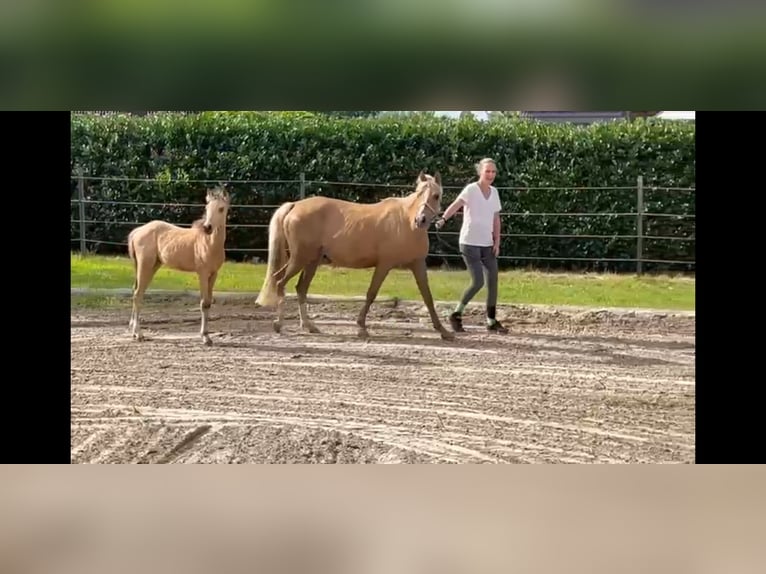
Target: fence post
x=640, y=225
x=303, y=185
x=81, y=196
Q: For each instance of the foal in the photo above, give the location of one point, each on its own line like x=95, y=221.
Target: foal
x=199, y=249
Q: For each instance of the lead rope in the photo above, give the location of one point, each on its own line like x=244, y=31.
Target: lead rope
x=445, y=244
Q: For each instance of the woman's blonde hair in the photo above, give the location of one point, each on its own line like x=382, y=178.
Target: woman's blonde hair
x=486, y=160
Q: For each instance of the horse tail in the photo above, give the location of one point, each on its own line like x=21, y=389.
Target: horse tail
x=277, y=259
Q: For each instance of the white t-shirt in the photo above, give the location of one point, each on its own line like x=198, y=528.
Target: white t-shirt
x=478, y=215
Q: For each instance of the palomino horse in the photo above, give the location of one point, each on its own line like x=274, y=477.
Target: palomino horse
x=199, y=249
x=392, y=233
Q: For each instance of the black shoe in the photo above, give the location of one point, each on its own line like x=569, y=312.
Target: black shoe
x=456, y=322
x=497, y=327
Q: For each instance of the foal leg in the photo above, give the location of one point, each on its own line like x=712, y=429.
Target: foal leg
x=203, y=328
x=144, y=275
x=210, y=285
x=204, y=305
x=421, y=278
x=378, y=276
x=302, y=289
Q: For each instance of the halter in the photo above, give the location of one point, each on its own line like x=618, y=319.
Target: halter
x=424, y=203
x=436, y=214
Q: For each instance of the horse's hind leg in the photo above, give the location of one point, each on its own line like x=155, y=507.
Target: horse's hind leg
x=132, y=321
x=302, y=288
x=293, y=267
x=144, y=274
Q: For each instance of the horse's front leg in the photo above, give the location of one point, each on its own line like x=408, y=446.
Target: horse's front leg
x=378, y=276
x=420, y=272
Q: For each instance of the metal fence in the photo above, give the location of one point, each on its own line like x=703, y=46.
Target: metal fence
x=303, y=187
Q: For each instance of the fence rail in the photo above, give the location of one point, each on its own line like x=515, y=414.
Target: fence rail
x=640, y=215
x=448, y=233
x=370, y=184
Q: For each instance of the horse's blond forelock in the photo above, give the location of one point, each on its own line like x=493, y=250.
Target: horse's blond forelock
x=426, y=183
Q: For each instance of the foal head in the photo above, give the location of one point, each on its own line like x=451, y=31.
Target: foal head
x=429, y=194
x=216, y=209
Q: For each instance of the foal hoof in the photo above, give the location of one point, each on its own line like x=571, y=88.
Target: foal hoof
x=277, y=326
x=206, y=340
x=312, y=329
x=138, y=337
x=362, y=333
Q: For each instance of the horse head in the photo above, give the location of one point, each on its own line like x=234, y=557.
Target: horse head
x=216, y=209
x=428, y=190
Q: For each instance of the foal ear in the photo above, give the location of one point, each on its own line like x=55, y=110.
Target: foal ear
x=438, y=178
x=422, y=175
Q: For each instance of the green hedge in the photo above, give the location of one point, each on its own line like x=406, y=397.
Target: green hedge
x=220, y=146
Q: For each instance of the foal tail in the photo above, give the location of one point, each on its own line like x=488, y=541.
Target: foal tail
x=277, y=259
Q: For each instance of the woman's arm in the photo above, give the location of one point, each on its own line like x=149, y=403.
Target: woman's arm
x=453, y=208
x=449, y=212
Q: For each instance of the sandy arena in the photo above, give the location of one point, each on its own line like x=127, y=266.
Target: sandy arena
x=562, y=386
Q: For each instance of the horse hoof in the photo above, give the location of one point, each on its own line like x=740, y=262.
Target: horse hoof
x=277, y=327
x=138, y=338
x=313, y=329
x=207, y=341
x=447, y=336
x=363, y=334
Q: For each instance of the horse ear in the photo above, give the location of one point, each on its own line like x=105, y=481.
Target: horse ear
x=438, y=178
x=422, y=175
x=208, y=196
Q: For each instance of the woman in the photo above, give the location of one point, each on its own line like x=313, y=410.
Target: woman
x=479, y=241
